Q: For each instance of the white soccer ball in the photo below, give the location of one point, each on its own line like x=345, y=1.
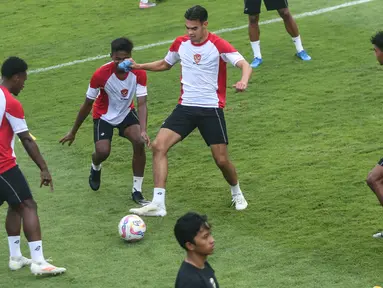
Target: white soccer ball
x=132, y=228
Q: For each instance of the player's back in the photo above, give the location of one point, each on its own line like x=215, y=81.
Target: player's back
x=12, y=121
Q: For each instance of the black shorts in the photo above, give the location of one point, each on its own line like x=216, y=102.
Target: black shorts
x=253, y=7
x=380, y=163
x=14, y=188
x=103, y=130
x=209, y=121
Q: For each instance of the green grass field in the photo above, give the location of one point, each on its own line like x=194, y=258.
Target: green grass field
x=303, y=138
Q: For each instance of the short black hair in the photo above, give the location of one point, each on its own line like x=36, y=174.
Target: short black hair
x=196, y=13
x=188, y=226
x=122, y=44
x=12, y=66
x=377, y=40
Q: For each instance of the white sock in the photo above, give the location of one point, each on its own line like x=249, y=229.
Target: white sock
x=36, y=248
x=256, y=49
x=159, y=196
x=14, y=246
x=235, y=190
x=137, y=183
x=144, y=1
x=298, y=43
x=96, y=167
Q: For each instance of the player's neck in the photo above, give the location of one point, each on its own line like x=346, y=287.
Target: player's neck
x=204, y=38
x=6, y=84
x=196, y=260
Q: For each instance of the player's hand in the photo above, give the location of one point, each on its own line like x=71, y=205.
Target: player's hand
x=134, y=65
x=46, y=179
x=68, y=138
x=240, y=86
x=146, y=138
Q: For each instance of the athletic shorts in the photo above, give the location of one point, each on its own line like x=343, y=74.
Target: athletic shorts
x=14, y=188
x=209, y=121
x=380, y=163
x=253, y=7
x=104, y=130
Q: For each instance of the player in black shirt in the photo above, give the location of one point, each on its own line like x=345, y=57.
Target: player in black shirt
x=193, y=233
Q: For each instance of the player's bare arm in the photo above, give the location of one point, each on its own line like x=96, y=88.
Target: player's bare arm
x=156, y=66
x=241, y=85
x=143, y=118
x=33, y=151
x=85, y=109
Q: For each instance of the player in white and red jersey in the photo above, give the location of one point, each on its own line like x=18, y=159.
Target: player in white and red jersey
x=111, y=93
x=14, y=188
x=203, y=58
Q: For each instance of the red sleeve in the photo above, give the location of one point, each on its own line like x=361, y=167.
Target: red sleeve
x=223, y=46
x=141, y=77
x=96, y=80
x=176, y=44
x=15, y=109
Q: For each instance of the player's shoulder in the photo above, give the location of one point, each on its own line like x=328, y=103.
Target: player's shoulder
x=179, y=41
x=106, y=69
x=10, y=100
x=139, y=72
x=221, y=44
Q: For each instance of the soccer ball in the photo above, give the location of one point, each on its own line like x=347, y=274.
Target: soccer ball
x=132, y=228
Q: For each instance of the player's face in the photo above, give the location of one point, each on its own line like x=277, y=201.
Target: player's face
x=196, y=30
x=379, y=55
x=18, y=81
x=120, y=56
x=204, y=242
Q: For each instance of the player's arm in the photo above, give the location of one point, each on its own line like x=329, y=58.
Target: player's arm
x=85, y=109
x=33, y=151
x=156, y=66
x=241, y=85
x=141, y=94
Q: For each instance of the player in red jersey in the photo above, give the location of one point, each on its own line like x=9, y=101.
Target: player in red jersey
x=14, y=188
x=111, y=93
x=203, y=58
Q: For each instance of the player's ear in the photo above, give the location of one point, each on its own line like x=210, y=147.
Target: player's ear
x=190, y=246
x=205, y=24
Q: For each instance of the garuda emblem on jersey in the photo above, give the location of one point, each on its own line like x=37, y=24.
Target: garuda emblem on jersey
x=124, y=92
x=197, y=58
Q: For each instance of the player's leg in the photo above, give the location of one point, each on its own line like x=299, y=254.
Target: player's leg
x=252, y=9
x=146, y=4
x=375, y=182
x=22, y=206
x=103, y=134
x=175, y=128
x=290, y=24
x=212, y=126
x=130, y=129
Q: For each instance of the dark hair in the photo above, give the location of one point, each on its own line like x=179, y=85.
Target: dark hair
x=188, y=226
x=196, y=13
x=122, y=44
x=377, y=40
x=12, y=66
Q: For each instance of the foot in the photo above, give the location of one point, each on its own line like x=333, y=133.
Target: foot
x=256, y=62
x=152, y=209
x=94, y=179
x=303, y=56
x=147, y=5
x=378, y=235
x=45, y=268
x=239, y=201
x=139, y=198
x=16, y=263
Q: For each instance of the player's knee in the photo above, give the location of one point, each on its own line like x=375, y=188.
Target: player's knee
x=221, y=161
x=158, y=147
x=253, y=20
x=102, y=153
x=284, y=13
x=372, y=179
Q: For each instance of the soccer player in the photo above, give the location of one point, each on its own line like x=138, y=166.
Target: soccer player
x=146, y=4
x=375, y=177
x=253, y=9
x=193, y=233
x=14, y=188
x=111, y=92
x=203, y=58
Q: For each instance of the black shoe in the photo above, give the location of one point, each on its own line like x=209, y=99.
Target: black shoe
x=94, y=179
x=139, y=198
